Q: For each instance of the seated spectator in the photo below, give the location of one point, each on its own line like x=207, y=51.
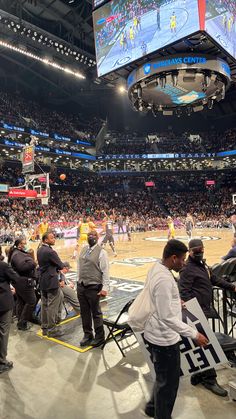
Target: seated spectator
x=68, y=291
x=232, y=252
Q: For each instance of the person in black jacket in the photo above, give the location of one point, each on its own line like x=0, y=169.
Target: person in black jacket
x=196, y=280
x=23, y=263
x=7, y=276
x=49, y=266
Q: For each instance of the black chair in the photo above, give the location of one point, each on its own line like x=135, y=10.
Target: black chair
x=227, y=269
x=118, y=327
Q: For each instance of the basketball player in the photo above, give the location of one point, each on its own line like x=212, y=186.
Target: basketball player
x=108, y=229
x=127, y=225
x=171, y=228
x=135, y=23
x=189, y=225
x=158, y=18
x=43, y=228
x=173, y=22
x=122, y=41
x=84, y=227
x=131, y=36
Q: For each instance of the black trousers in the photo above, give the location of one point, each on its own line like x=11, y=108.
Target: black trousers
x=90, y=310
x=5, y=324
x=25, y=301
x=166, y=360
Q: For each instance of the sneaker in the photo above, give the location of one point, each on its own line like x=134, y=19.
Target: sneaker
x=6, y=367
x=86, y=341
x=216, y=389
x=97, y=342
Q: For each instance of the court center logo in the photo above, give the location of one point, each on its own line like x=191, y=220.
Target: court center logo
x=182, y=238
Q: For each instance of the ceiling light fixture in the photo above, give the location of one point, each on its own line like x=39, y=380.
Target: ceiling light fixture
x=42, y=60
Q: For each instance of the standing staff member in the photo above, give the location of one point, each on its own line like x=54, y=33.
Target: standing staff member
x=23, y=263
x=163, y=329
x=196, y=280
x=49, y=265
x=7, y=276
x=93, y=283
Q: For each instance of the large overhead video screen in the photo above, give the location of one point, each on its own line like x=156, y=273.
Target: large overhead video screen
x=126, y=30
x=221, y=23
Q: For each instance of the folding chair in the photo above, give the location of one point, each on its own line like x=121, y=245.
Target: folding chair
x=118, y=327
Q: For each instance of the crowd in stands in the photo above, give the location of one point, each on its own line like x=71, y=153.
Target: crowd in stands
x=145, y=208
x=169, y=142
x=15, y=109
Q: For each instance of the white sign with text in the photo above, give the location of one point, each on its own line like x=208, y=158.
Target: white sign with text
x=194, y=359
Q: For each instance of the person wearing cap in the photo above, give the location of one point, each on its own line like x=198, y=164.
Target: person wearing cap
x=67, y=289
x=93, y=283
x=197, y=281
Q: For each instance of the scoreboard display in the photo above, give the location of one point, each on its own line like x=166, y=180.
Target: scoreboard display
x=221, y=23
x=125, y=31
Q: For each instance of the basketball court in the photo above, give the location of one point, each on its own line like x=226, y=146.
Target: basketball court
x=135, y=258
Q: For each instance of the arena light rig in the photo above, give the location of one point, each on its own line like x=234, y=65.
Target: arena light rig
x=42, y=60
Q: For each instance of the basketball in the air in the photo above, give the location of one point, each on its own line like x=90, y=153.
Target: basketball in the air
x=62, y=176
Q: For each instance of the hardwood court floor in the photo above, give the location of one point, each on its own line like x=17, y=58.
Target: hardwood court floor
x=135, y=258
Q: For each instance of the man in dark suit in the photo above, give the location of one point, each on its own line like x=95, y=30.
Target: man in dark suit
x=7, y=276
x=49, y=266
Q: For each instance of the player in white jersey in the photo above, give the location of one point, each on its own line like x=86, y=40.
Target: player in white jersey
x=189, y=225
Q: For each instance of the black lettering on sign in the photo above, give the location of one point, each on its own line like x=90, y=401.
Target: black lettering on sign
x=186, y=314
x=193, y=368
x=202, y=358
x=185, y=345
x=213, y=353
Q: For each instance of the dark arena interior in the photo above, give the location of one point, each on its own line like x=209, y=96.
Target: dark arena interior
x=117, y=169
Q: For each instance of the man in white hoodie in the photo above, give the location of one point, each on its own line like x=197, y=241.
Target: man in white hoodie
x=164, y=328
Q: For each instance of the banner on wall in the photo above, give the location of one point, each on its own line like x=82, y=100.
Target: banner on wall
x=28, y=159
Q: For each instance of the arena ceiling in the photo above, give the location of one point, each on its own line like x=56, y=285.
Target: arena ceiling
x=71, y=22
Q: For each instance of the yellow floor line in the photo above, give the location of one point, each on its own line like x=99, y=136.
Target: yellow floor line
x=67, y=345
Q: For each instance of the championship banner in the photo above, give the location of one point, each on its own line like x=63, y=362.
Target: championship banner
x=194, y=359
x=28, y=159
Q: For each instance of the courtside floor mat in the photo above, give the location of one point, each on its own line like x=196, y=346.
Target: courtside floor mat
x=121, y=292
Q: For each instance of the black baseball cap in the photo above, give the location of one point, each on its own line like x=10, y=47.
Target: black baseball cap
x=195, y=243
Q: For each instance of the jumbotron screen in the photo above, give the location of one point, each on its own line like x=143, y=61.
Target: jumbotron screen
x=221, y=23
x=126, y=30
